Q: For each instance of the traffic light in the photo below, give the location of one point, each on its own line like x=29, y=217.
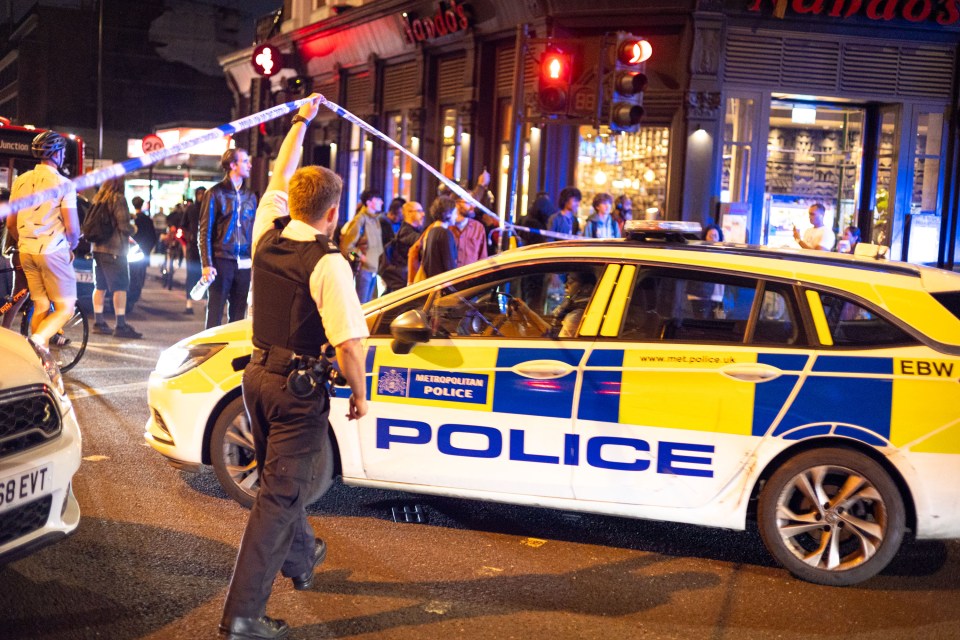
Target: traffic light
x=267, y=60
x=553, y=87
x=626, y=80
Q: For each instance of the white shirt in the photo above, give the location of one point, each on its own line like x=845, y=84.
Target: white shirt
x=820, y=238
x=40, y=227
x=331, y=283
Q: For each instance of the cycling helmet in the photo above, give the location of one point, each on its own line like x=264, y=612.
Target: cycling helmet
x=47, y=143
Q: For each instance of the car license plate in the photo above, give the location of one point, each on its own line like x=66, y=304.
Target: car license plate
x=84, y=276
x=24, y=486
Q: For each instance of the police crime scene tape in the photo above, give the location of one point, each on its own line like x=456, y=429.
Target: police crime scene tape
x=95, y=178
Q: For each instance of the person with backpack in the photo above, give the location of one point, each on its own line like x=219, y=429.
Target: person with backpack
x=110, y=268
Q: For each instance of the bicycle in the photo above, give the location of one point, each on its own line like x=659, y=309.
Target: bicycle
x=68, y=345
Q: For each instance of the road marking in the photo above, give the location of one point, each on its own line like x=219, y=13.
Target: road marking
x=77, y=394
x=113, y=351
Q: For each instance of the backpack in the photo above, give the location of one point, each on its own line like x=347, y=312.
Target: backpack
x=99, y=223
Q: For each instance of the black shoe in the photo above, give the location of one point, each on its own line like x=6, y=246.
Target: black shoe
x=59, y=340
x=304, y=581
x=253, y=628
x=126, y=331
x=188, y=311
x=102, y=327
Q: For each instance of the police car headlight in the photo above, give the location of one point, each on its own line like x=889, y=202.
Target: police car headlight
x=50, y=366
x=177, y=360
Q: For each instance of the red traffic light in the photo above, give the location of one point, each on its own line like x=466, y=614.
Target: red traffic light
x=555, y=67
x=267, y=60
x=633, y=51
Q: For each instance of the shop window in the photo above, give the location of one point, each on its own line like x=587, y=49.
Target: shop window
x=813, y=156
x=531, y=135
x=631, y=164
x=738, y=145
x=399, y=165
x=887, y=157
x=924, y=238
x=450, y=148
x=360, y=149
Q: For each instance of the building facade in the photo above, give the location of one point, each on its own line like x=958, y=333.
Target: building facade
x=755, y=109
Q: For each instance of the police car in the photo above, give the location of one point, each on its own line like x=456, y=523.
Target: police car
x=652, y=377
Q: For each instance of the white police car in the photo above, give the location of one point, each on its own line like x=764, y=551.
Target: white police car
x=649, y=377
x=39, y=451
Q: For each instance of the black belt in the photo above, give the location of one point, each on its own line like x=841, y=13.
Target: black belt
x=280, y=360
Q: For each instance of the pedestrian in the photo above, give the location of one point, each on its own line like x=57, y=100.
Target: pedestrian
x=395, y=273
x=712, y=233
x=146, y=237
x=191, y=229
x=110, y=269
x=46, y=235
x=297, y=273
x=470, y=234
x=363, y=235
x=565, y=220
x=623, y=209
x=601, y=223
x=848, y=243
x=440, y=246
x=818, y=236
x=391, y=220
x=224, y=231
x=536, y=218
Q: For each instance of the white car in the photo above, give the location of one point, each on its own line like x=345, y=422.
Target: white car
x=39, y=451
x=649, y=377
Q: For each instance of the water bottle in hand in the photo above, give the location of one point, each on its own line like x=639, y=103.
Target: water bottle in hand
x=201, y=287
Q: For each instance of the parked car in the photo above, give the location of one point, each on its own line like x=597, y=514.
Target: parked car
x=39, y=451
x=651, y=377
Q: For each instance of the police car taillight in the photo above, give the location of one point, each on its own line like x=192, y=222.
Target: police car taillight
x=666, y=230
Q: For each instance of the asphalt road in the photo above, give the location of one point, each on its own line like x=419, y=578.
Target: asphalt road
x=155, y=549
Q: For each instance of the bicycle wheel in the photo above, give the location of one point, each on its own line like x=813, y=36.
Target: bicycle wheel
x=68, y=346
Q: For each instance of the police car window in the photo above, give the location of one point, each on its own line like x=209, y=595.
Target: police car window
x=778, y=320
x=388, y=315
x=688, y=306
x=852, y=325
x=535, y=301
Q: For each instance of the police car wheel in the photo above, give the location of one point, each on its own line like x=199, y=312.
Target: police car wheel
x=234, y=462
x=832, y=517
x=232, y=454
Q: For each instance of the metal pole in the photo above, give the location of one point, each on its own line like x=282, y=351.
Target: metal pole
x=100, y=84
x=516, y=139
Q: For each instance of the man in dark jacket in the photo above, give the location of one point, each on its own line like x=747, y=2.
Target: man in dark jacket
x=397, y=250
x=224, y=233
x=146, y=238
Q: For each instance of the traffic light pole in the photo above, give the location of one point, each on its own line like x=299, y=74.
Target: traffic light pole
x=516, y=140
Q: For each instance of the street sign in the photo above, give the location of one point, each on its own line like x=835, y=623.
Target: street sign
x=151, y=143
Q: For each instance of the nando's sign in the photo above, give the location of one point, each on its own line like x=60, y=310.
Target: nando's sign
x=941, y=12
x=450, y=17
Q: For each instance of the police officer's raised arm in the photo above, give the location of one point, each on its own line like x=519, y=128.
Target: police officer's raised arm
x=288, y=158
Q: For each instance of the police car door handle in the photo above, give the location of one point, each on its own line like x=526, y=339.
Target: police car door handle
x=542, y=369
x=752, y=372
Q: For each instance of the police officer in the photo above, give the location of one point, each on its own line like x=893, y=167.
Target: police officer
x=304, y=297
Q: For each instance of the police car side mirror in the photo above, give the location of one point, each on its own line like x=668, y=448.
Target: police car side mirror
x=408, y=329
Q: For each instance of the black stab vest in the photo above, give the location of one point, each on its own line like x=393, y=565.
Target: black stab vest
x=284, y=314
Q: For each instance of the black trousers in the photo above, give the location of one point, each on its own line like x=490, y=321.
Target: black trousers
x=230, y=287
x=289, y=436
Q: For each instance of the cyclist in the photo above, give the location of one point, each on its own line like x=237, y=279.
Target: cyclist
x=46, y=235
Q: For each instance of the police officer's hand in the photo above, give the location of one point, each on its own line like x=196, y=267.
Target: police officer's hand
x=358, y=408
x=309, y=108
